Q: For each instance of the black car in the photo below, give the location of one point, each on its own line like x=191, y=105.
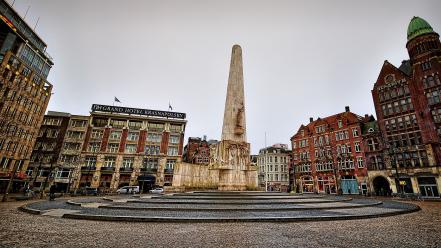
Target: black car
x=89, y=191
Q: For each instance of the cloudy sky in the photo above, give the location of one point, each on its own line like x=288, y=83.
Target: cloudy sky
x=301, y=58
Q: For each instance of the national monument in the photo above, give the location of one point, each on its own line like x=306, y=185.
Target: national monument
x=230, y=168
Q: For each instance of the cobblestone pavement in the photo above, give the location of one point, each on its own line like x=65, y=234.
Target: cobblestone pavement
x=419, y=229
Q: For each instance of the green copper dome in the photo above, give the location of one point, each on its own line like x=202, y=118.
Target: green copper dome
x=418, y=26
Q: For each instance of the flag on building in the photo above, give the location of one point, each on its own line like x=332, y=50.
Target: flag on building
x=117, y=100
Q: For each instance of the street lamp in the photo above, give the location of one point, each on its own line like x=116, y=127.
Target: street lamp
x=47, y=178
x=394, y=164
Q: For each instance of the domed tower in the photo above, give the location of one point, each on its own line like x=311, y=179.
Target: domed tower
x=423, y=45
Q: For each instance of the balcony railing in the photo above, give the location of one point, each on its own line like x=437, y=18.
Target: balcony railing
x=88, y=168
x=107, y=169
x=125, y=170
x=168, y=171
x=149, y=170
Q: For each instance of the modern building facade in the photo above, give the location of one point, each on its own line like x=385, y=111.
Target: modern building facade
x=43, y=164
x=408, y=106
x=328, y=155
x=273, y=167
x=24, y=93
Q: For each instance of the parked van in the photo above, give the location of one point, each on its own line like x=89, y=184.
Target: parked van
x=128, y=190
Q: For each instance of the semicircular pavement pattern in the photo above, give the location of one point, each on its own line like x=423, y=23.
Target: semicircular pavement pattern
x=220, y=207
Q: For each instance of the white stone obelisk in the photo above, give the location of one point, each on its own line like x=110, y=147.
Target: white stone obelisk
x=234, y=126
x=233, y=151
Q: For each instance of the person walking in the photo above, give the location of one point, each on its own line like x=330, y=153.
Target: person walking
x=52, y=191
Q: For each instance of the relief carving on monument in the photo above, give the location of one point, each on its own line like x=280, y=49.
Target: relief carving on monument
x=240, y=129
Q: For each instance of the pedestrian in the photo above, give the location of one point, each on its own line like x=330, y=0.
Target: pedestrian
x=52, y=191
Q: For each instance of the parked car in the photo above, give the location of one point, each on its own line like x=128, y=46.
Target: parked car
x=157, y=191
x=128, y=190
x=89, y=191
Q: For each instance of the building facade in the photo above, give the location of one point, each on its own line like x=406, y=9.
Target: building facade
x=273, y=167
x=43, y=163
x=24, y=93
x=328, y=155
x=122, y=149
x=197, y=151
x=408, y=107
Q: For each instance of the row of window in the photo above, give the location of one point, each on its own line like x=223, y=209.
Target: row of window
x=270, y=159
x=128, y=162
x=271, y=168
x=405, y=139
x=278, y=177
x=402, y=122
x=393, y=92
x=431, y=81
x=433, y=96
x=21, y=116
x=13, y=147
x=324, y=139
x=397, y=107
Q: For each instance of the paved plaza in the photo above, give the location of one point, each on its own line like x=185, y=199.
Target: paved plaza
x=417, y=229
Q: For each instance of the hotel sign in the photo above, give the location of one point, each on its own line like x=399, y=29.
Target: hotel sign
x=136, y=111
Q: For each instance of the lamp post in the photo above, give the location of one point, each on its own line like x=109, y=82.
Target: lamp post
x=47, y=178
x=394, y=164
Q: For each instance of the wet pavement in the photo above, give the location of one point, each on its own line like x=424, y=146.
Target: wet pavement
x=418, y=229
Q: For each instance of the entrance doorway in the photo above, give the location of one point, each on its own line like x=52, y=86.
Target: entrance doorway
x=146, y=183
x=428, y=187
x=349, y=185
x=381, y=186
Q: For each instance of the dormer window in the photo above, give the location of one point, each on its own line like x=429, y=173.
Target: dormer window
x=340, y=123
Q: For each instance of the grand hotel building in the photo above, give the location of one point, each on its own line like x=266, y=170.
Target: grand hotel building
x=107, y=150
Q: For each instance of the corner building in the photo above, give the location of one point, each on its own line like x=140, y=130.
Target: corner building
x=24, y=93
x=125, y=149
x=328, y=155
x=273, y=164
x=408, y=106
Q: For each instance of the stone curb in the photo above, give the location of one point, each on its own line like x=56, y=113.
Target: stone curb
x=236, y=203
x=29, y=210
x=70, y=202
x=235, y=198
x=217, y=220
x=240, y=209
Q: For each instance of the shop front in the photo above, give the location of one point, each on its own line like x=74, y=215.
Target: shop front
x=349, y=185
x=427, y=186
x=326, y=184
x=307, y=184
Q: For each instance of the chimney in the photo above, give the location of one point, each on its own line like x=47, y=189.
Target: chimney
x=347, y=109
x=311, y=119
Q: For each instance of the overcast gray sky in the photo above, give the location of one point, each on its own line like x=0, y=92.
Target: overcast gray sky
x=301, y=58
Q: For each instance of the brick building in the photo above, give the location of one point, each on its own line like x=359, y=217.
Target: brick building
x=24, y=93
x=197, y=151
x=129, y=149
x=408, y=106
x=374, y=150
x=114, y=147
x=328, y=155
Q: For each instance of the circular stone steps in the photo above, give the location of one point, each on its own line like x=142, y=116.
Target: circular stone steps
x=222, y=207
